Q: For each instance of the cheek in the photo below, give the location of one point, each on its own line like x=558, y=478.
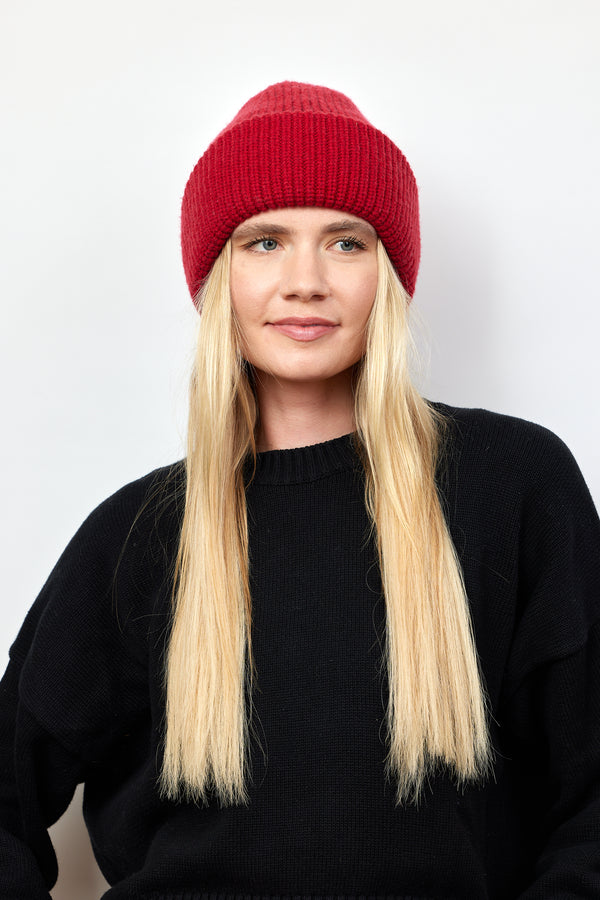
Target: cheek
x=237, y=294
x=250, y=293
x=243, y=304
x=242, y=295
x=364, y=297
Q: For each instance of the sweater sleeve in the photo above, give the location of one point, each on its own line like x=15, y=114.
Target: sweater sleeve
x=553, y=680
x=76, y=684
x=30, y=799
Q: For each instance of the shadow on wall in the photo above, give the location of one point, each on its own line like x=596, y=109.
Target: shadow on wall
x=79, y=877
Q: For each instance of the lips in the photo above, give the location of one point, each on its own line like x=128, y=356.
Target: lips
x=304, y=328
x=304, y=321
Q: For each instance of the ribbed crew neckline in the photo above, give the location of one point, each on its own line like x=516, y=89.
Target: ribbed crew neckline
x=303, y=464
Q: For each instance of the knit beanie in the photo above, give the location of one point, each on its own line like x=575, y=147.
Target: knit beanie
x=294, y=145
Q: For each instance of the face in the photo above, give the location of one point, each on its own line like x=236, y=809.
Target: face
x=303, y=282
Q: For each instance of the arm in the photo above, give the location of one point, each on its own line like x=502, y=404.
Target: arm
x=553, y=683
x=557, y=716
x=31, y=798
x=38, y=780
x=77, y=679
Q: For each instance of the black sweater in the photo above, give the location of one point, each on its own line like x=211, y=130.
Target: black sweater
x=82, y=697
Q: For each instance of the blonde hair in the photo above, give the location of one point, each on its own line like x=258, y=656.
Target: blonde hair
x=436, y=711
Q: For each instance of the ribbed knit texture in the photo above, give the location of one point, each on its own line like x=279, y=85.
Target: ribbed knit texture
x=82, y=698
x=299, y=145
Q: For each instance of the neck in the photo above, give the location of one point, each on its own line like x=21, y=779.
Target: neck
x=294, y=414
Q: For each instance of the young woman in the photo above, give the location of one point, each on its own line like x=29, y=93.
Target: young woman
x=350, y=646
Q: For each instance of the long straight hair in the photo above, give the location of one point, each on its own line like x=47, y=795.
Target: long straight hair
x=436, y=711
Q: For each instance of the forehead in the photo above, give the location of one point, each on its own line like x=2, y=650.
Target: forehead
x=303, y=218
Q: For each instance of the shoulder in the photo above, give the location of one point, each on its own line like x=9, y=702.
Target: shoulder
x=527, y=534
x=482, y=429
x=127, y=544
x=509, y=451
x=151, y=503
x=103, y=604
x=158, y=489
x=119, y=553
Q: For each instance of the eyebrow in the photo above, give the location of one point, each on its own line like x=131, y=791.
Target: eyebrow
x=244, y=231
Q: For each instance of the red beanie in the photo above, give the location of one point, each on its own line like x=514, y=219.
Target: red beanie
x=299, y=145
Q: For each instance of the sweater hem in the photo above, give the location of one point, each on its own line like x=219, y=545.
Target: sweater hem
x=194, y=895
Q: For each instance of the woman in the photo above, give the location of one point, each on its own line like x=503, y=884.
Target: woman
x=350, y=646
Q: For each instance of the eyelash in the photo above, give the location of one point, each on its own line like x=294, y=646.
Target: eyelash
x=350, y=239
x=265, y=237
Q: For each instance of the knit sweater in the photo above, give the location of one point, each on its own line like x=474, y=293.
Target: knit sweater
x=82, y=699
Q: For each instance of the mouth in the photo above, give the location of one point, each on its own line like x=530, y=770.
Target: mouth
x=304, y=328
x=304, y=321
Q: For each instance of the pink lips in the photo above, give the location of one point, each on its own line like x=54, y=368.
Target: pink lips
x=304, y=328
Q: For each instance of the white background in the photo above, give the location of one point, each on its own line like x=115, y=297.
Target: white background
x=106, y=107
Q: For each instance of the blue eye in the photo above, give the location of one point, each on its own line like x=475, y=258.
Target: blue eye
x=262, y=244
x=347, y=245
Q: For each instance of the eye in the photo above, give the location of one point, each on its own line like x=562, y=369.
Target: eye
x=262, y=245
x=347, y=245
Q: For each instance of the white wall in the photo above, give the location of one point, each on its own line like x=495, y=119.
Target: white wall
x=105, y=109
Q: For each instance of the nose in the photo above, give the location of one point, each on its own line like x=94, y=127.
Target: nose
x=303, y=276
